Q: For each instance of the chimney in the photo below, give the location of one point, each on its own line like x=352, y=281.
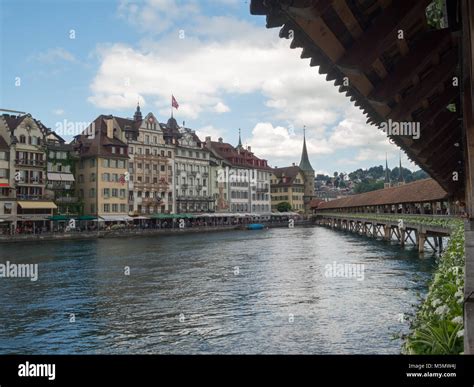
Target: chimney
x=293, y=164
x=220, y=139
x=249, y=148
x=110, y=127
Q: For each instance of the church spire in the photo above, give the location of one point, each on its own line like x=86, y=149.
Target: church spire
x=387, y=173
x=138, y=114
x=305, y=165
x=240, y=141
x=400, y=174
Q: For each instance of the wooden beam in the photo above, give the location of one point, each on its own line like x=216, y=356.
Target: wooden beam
x=421, y=54
x=309, y=10
x=428, y=85
x=381, y=34
x=439, y=106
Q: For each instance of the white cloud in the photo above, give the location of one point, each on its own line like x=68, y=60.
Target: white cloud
x=58, y=112
x=221, y=56
x=221, y=107
x=210, y=131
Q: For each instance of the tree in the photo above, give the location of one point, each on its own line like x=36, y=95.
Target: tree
x=283, y=207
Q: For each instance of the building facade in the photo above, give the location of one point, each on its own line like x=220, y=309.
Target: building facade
x=151, y=169
x=102, y=172
x=241, y=180
x=288, y=185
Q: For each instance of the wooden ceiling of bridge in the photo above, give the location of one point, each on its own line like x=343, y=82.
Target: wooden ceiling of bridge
x=407, y=79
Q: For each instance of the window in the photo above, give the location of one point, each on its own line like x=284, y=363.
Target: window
x=123, y=208
x=92, y=163
x=22, y=139
x=115, y=177
x=106, y=207
x=114, y=207
x=92, y=193
x=92, y=178
x=114, y=192
x=113, y=150
x=113, y=163
x=130, y=150
x=106, y=192
x=122, y=150
x=7, y=208
x=169, y=154
x=162, y=168
x=122, y=193
x=105, y=163
x=81, y=178
x=147, y=140
x=162, y=153
x=105, y=177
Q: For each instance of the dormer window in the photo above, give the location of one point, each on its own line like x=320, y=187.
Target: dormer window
x=113, y=149
x=22, y=139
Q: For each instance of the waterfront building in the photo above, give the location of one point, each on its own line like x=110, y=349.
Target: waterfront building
x=288, y=185
x=24, y=172
x=218, y=184
x=102, y=171
x=192, y=166
x=150, y=168
x=7, y=194
x=60, y=181
x=246, y=175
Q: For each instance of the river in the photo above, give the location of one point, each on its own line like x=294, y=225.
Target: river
x=248, y=292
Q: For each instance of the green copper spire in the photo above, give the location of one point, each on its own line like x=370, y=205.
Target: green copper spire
x=387, y=174
x=305, y=165
x=240, y=141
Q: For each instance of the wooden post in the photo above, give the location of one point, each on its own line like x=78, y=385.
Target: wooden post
x=421, y=242
x=386, y=229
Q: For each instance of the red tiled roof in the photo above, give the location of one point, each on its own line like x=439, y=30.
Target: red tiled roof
x=286, y=176
x=238, y=158
x=418, y=191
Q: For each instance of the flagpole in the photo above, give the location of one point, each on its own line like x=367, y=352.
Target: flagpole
x=171, y=105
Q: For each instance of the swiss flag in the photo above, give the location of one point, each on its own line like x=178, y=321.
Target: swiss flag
x=174, y=103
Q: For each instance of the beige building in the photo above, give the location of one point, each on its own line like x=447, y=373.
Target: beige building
x=151, y=168
x=102, y=170
x=287, y=185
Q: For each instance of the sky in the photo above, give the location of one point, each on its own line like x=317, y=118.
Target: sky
x=66, y=62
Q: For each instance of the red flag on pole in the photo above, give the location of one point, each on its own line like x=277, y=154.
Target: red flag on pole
x=174, y=103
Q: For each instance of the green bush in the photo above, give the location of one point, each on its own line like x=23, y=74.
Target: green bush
x=437, y=327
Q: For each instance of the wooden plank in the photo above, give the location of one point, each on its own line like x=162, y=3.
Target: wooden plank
x=322, y=36
x=382, y=33
x=348, y=18
x=428, y=85
x=419, y=57
x=303, y=9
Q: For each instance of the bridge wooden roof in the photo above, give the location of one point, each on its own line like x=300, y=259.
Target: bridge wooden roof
x=409, y=79
x=419, y=191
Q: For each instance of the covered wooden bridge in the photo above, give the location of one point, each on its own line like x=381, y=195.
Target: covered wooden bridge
x=397, y=66
x=397, y=213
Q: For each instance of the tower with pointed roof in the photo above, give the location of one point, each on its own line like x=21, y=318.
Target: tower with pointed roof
x=137, y=117
x=401, y=180
x=308, y=173
x=239, y=145
x=387, y=183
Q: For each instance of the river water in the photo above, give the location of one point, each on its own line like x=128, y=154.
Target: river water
x=261, y=291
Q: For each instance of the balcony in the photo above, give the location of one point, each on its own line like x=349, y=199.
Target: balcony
x=184, y=186
x=261, y=189
x=205, y=174
x=31, y=163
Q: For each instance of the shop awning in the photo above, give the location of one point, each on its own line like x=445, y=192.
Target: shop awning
x=115, y=218
x=37, y=205
x=59, y=217
x=60, y=176
x=87, y=217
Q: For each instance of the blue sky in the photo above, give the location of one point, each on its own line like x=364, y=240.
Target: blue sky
x=224, y=67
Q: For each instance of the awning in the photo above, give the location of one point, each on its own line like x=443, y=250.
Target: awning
x=87, y=217
x=115, y=218
x=37, y=205
x=57, y=176
x=59, y=217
